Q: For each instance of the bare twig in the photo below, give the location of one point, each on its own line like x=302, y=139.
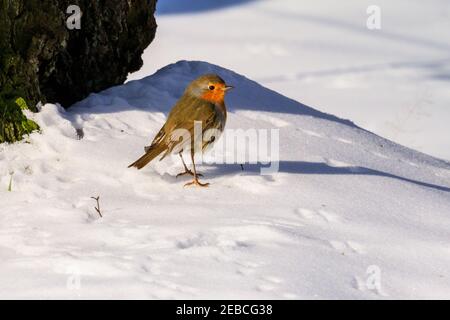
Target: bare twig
x=10, y=182
x=97, y=208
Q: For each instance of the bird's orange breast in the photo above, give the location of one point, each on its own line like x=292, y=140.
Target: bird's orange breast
x=215, y=96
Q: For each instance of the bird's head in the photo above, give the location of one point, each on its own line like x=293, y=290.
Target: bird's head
x=209, y=87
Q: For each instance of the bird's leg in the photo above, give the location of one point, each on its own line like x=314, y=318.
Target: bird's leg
x=195, y=181
x=186, y=169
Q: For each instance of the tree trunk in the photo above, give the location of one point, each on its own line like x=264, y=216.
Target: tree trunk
x=41, y=59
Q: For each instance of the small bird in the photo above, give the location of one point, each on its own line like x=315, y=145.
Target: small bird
x=202, y=103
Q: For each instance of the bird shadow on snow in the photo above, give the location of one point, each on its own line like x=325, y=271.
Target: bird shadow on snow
x=160, y=91
x=183, y=6
x=302, y=167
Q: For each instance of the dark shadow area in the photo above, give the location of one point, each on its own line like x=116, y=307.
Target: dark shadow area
x=441, y=77
x=341, y=24
x=434, y=66
x=190, y=6
x=246, y=95
x=301, y=167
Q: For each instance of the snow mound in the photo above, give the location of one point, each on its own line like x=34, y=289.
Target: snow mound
x=348, y=215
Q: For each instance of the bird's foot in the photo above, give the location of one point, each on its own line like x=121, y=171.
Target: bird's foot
x=196, y=183
x=189, y=172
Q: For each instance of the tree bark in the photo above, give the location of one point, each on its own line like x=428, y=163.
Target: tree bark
x=42, y=60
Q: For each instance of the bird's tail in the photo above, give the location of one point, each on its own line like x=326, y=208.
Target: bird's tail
x=151, y=153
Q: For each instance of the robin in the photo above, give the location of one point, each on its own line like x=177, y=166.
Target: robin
x=202, y=104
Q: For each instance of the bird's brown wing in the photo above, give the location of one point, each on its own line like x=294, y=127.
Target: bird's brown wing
x=194, y=109
x=182, y=116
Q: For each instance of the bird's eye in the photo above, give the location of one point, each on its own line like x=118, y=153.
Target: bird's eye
x=211, y=87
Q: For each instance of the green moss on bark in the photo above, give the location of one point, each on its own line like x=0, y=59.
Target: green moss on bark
x=18, y=80
x=13, y=123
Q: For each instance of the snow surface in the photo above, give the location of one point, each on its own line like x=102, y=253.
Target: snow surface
x=348, y=215
x=394, y=81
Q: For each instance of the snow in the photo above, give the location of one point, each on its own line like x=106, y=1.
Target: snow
x=349, y=214
x=393, y=81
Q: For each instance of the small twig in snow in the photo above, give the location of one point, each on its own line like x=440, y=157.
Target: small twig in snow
x=10, y=182
x=97, y=208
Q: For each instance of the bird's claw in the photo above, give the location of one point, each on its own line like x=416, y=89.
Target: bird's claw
x=197, y=183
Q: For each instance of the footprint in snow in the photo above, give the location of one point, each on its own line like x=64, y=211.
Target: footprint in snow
x=311, y=133
x=318, y=216
x=343, y=140
x=247, y=268
x=379, y=155
x=347, y=247
x=272, y=279
x=265, y=287
x=270, y=283
x=442, y=173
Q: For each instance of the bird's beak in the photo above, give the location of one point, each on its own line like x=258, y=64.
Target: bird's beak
x=228, y=88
